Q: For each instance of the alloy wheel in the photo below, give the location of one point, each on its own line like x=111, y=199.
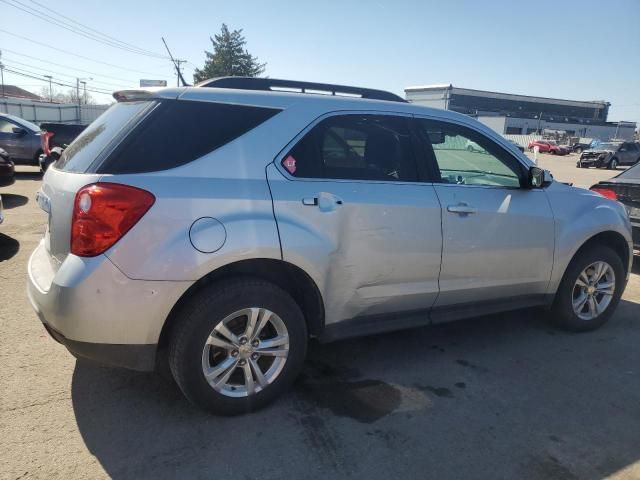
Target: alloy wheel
x=245, y=352
x=593, y=290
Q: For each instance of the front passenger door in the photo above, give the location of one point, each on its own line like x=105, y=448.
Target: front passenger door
x=498, y=235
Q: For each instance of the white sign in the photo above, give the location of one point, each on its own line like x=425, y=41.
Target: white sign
x=153, y=83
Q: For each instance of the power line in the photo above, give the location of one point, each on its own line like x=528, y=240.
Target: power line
x=25, y=70
x=57, y=82
x=86, y=27
x=65, y=74
x=75, y=54
x=64, y=66
x=67, y=26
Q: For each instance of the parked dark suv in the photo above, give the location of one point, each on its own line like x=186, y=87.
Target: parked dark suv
x=610, y=155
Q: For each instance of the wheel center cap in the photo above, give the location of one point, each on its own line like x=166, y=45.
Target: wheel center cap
x=245, y=350
x=591, y=290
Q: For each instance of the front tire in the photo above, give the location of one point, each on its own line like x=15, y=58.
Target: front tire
x=238, y=345
x=590, y=290
x=613, y=164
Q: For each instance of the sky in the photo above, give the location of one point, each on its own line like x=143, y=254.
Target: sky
x=580, y=49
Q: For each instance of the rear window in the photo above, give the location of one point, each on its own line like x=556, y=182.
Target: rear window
x=84, y=151
x=178, y=132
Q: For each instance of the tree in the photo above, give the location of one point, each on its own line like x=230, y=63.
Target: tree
x=69, y=97
x=229, y=58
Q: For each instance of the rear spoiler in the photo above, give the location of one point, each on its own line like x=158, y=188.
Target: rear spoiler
x=132, y=95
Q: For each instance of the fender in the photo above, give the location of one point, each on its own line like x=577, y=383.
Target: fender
x=580, y=215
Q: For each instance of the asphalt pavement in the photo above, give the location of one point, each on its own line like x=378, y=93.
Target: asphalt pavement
x=504, y=396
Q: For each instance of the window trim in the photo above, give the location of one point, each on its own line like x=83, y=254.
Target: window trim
x=277, y=161
x=433, y=168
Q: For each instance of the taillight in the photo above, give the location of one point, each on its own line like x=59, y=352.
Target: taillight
x=103, y=213
x=44, y=142
x=605, y=192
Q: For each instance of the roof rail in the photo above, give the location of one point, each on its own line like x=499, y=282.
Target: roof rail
x=273, y=84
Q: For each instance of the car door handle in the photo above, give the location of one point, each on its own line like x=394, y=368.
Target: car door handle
x=462, y=209
x=325, y=201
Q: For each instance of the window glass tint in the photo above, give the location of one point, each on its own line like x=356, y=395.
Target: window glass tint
x=355, y=147
x=465, y=157
x=84, y=150
x=178, y=132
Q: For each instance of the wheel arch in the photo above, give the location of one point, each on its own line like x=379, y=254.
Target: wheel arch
x=608, y=238
x=285, y=275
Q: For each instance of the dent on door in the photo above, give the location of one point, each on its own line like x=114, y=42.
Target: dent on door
x=372, y=248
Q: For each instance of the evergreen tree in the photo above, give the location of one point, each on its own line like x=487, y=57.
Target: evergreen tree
x=229, y=58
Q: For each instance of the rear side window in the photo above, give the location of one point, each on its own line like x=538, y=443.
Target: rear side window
x=84, y=151
x=178, y=132
x=355, y=147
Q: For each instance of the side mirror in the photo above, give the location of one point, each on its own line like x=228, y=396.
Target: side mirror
x=539, y=178
x=19, y=131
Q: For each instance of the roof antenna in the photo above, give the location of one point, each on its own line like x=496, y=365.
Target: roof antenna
x=176, y=63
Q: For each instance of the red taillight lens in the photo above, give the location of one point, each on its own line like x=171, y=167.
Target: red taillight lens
x=44, y=142
x=103, y=213
x=605, y=192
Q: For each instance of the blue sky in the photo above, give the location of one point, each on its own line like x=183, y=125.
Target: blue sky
x=583, y=50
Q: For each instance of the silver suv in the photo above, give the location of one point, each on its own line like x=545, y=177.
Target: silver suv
x=224, y=225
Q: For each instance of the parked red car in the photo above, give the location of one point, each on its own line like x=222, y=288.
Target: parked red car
x=545, y=146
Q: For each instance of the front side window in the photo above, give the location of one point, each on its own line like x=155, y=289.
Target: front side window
x=6, y=126
x=355, y=147
x=466, y=157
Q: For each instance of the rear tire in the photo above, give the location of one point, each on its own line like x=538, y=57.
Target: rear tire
x=569, y=292
x=195, y=349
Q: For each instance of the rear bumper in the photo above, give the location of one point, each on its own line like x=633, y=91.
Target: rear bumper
x=97, y=312
x=133, y=357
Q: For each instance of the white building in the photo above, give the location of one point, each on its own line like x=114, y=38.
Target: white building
x=522, y=114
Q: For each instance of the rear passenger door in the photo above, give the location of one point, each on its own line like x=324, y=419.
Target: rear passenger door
x=352, y=213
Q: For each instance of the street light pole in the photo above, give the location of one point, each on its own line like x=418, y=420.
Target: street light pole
x=84, y=84
x=50, y=89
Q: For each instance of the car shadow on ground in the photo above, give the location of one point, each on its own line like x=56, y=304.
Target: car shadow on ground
x=506, y=394
x=12, y=200
x=8, y=247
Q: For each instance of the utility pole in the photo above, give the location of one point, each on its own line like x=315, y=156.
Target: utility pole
x=50, y=89
x=179, y=69
x=176, y=63
x=78, y=90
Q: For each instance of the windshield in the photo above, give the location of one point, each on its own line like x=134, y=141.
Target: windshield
x=86, y=148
